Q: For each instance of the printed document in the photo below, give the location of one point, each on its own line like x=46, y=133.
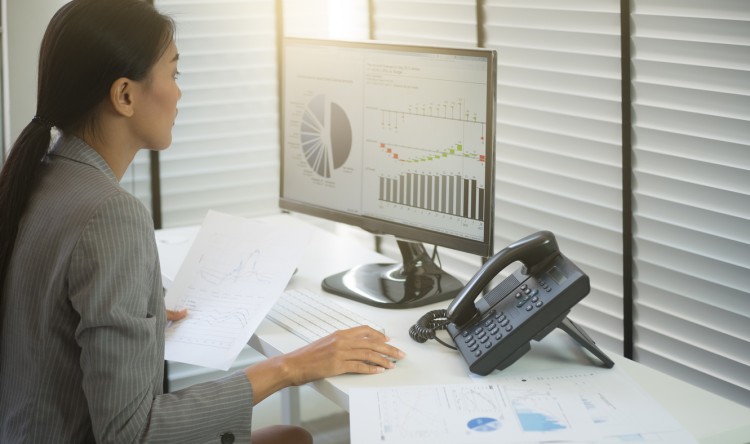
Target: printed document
x=235, y=271
x=585, y=405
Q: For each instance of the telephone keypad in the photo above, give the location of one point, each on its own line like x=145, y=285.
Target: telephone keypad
x=487, y=333
x=471, y=342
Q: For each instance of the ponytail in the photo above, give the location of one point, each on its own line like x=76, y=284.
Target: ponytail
x=18, y=180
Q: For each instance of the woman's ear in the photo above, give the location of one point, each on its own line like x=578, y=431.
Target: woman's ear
x=121, y=95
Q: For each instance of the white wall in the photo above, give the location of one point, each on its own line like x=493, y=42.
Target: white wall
x=24, y=22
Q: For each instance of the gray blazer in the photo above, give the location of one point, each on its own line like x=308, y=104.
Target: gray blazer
x=82, y=345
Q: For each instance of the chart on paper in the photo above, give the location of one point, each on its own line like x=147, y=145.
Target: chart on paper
x=219, y=299
x=234, y=273
x=570, y=405
x=408, y=414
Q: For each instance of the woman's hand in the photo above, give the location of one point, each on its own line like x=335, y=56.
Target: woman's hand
x=356, y=350
x=173, y=315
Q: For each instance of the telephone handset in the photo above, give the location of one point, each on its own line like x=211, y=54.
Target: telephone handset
x=494, y=330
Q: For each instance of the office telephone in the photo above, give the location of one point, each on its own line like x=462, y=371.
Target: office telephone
x=492, y=331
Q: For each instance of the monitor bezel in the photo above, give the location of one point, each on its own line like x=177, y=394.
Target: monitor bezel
x=377, y=226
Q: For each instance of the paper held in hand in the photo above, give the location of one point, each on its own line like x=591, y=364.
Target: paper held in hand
x=233, y=274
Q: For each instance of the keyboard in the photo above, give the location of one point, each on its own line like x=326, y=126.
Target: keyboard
x=311, y=316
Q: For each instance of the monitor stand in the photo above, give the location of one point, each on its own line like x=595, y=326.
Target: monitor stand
x=416, y=282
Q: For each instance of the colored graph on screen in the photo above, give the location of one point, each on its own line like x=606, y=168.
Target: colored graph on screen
x=426, y=158
x=325, y=135
x=389, y=135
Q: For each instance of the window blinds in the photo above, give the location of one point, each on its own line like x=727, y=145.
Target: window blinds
x=337, y=19
x=451, y=23
x=691, y=114
x=224, y=154
x=559, y=141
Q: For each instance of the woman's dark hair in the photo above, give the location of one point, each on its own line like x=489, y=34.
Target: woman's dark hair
x=87, y=46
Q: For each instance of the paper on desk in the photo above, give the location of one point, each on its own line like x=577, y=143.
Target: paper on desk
x=232, y=276
x=591, y=405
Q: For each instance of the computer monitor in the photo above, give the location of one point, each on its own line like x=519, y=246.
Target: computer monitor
x=398, y=140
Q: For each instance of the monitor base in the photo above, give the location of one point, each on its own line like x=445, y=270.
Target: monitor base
x=415, y=283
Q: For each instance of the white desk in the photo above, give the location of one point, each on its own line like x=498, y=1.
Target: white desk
x=710, y=418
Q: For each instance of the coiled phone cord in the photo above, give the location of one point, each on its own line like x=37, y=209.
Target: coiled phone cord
x=428, y=325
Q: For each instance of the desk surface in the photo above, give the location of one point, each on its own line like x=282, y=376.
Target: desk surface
x=710, y=418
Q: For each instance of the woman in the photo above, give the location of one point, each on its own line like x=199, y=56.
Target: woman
x=81, y=302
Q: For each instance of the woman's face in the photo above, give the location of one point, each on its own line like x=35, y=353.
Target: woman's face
x=156, y=114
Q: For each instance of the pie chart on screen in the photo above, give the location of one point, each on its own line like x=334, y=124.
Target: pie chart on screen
x=325, y=135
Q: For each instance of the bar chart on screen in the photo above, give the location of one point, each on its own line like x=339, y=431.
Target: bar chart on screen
x=426, y=159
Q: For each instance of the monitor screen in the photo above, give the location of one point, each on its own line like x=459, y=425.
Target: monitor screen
x=395, y=139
